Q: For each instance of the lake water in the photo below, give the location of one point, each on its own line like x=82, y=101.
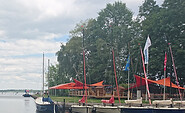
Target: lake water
x=15, y=103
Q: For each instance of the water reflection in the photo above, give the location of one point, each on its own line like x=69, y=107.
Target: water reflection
x=41, y=112
x=15, y=103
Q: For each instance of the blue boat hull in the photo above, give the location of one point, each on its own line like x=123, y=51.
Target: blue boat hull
x=26, y=95
x=47, y=108
x=151, y=110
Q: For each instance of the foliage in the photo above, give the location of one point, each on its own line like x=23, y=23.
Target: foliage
x=115, y=28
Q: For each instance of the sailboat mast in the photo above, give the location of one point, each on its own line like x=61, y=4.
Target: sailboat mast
x=43, y=76
x=165, y=60
x=83, y=55
x=48, y=74
x=115, y=75
x=84, y=78
x=145, y=75
x=174, y=68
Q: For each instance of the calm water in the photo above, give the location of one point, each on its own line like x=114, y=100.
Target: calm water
x=15, y=103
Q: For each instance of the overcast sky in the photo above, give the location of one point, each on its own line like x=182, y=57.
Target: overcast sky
x=30, y=27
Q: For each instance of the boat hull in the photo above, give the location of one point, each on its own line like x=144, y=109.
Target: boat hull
x=45, y=107
x=106, y=109
x=80, y=109
x=26, y=95
x=151, y=110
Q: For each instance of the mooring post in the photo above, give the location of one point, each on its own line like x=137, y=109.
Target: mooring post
x=64, y=107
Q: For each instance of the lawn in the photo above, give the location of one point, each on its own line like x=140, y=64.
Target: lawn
x=75, y=99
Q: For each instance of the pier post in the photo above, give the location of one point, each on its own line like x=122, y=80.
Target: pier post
x=64, y=107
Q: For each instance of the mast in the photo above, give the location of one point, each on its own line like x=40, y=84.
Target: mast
x=165, y=60
x=115, y=75
x=145, y=76
x=48, y=74
x=43, y=76
x=174, y=68
x=84, y=72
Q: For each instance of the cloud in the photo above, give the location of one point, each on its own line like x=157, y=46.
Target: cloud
x=22, y=60
x=30, y=27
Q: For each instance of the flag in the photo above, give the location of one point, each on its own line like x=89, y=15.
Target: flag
x=165, y=60
x=127, y=64
x=147, y=45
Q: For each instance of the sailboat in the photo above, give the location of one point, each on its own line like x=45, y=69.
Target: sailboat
x=82, y=107
x=26, y=94
x=43, y=104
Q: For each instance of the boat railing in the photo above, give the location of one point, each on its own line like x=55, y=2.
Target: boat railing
x=163, y=102
x=133, y=102
x=179, y=103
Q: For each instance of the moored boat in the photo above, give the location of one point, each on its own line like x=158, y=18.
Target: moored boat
x=45, y=105
x=105, y=109
x=26, y=95
x=81, y=109
x=150, y=109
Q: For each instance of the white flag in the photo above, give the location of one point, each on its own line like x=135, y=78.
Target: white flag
x=147, y=45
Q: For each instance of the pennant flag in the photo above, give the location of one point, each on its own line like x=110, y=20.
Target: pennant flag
x=127, y=64
x=147, y=45
x=165, y=60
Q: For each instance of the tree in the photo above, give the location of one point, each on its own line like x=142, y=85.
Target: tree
x=112, y=29
x=54, y=79
x=164, y=25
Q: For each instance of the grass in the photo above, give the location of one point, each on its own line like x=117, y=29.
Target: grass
x=75, y=99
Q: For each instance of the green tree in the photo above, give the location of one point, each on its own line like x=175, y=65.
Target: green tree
x=164, y=25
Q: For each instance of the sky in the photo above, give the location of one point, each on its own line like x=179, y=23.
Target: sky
x=29, y=28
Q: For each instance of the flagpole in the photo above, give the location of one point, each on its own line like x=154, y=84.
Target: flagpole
x=147, y=75
x=128, y=86
x=127, y=69
x=146, y=86
x=164, y=85
x=128, y=76
x=146, y=51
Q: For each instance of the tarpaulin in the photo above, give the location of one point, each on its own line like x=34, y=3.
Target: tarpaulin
x=141, y=81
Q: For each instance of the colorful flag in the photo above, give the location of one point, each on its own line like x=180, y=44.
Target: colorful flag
x=147, y=45
x=165, y=60
x=127, y=64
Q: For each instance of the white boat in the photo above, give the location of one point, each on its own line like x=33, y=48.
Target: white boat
x=150, y=109
x=81, y=109
x=44, y=106
x=106, y=109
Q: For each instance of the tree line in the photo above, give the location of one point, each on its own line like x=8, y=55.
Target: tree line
x=116, y=28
